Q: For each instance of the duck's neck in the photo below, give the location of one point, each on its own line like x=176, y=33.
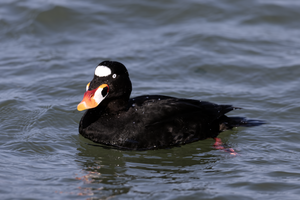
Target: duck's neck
x=116, y=105
x=110, y=107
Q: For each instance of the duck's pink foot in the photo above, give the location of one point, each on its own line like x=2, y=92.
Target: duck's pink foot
x=219, y=145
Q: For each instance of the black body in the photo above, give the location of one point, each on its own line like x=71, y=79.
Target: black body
x=150, y=121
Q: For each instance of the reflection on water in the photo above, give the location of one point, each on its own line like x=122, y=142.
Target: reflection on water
x=110, y=172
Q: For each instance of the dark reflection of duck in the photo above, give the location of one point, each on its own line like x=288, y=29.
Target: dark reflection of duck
x=150, y=121
x=108, y=172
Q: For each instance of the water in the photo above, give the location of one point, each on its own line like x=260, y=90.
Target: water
x=244, y=53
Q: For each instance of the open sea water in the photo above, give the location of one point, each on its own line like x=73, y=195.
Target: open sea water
x=239, y=52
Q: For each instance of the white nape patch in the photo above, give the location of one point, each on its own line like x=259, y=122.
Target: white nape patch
x=102, y=71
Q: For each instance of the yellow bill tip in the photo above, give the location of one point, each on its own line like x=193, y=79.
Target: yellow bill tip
x=81, y=106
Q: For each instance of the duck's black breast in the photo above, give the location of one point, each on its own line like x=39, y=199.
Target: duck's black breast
x=154, y=122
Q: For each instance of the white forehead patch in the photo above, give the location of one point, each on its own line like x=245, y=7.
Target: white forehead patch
x=102, y=71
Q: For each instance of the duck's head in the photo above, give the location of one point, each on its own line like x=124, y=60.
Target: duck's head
x=110, y=83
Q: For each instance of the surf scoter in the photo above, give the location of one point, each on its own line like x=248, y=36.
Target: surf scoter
x=149, y=121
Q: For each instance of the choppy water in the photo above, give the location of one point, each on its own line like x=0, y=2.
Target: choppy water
x=244, y=53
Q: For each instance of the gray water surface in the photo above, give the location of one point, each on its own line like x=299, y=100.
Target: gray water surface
x=244, y=53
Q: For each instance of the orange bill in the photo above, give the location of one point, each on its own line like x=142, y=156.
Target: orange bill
x=92, y=98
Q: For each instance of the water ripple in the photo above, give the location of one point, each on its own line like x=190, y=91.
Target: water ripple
x=244, y=53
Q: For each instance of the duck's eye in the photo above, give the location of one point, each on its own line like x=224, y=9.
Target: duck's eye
x=114, y=75
x=87, y=86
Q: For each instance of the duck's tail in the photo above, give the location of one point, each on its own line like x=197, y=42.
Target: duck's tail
x=232, y=122
x=242, y=121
